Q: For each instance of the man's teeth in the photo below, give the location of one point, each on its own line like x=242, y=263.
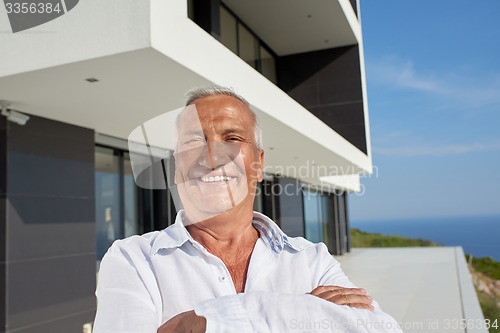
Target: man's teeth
x=216, y=179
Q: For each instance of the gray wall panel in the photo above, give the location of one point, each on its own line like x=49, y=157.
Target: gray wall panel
x=2, y=295
x=50, y=158
x=49, y=216
x=3, y=156
x=291, y=207
x=328, y=84
x=49, y=288
x=70, y=324
x=39, y=240
x=3, y=230
x=3, y=216
x=46, y=209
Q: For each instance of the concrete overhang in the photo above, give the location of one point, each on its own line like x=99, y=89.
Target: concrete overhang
x=149, y=73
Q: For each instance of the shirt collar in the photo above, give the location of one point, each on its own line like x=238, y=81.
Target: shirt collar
x=273, y=237
x=173, y=236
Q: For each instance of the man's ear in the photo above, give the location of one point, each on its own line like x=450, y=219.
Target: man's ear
x=261, y=166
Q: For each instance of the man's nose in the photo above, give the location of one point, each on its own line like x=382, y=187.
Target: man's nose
x=215, y=154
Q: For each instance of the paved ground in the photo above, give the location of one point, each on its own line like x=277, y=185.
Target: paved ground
x=426, y=289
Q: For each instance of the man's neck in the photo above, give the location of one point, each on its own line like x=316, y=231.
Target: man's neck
x=225, y=232
x=231, y=237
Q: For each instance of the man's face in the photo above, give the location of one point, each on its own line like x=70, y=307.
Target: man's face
x=217, y=162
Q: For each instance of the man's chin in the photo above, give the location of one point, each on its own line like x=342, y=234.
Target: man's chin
x=196, y=215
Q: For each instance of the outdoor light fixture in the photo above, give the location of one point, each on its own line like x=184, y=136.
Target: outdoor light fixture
x=14, y=116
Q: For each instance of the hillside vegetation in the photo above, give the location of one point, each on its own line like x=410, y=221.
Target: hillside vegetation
x=365, y=239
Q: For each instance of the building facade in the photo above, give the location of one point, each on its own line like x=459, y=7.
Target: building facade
x=88, y=78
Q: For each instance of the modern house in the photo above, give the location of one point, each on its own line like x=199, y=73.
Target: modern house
x=74, y=88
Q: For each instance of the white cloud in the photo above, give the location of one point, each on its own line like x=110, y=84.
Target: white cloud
x=399, y=73
x=436, y=150
x=471, y=88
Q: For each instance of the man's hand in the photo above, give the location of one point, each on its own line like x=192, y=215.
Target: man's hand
x=353, y=297
x=184, y=322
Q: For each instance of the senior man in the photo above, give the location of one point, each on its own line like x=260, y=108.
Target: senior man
x=222, y=267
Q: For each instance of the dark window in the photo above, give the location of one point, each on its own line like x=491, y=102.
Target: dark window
x=247, y=46
x=228, y=30
x=122, y=208
x=109, y=199
x=267, y=64
x=219, y=21
x=313, y=217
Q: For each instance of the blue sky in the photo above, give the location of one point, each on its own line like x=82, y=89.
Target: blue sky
x=433, y=80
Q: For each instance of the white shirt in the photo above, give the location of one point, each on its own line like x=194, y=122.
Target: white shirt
x=145, y=280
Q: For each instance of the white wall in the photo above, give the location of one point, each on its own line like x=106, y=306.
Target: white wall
x=94, y=28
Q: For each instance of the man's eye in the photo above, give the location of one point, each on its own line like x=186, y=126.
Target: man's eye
x=190, y=141
x=233, y=139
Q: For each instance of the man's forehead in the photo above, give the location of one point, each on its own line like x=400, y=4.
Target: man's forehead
x=212, y=106
x=196, y=116
x=219, y=123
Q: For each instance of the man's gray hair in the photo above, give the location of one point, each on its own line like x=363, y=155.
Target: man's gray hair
x=198, y=93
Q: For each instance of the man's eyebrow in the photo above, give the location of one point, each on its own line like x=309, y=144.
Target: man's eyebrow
x=236, y=130
x=191, y=132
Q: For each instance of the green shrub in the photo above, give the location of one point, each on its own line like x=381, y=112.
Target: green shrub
x=365, y=239
x=486, y=265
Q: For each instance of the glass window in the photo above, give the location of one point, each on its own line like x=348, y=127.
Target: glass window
x=267, y=65
x=130, y=198
x=312, y=216
x=240, y=40
x=228, y=35
x=342, y=223
x=122, y=208
x=247, y=46
x=257, y=204
x=326, y=226
x=107, y=196
x=116, y=198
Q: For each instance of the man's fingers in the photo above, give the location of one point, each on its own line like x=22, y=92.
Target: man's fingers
x=361, y=306
x=321, y=289
x=353, y=297
x=340, y=291
x=345, y=298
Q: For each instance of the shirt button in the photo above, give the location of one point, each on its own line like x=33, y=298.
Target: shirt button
x=222, y=278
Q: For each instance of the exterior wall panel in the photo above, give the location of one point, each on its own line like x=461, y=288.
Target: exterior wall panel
x=49, y=289
x=328, y=84
x=48, y=210
x=291, y=207
x=3, y=292
x=3, y=224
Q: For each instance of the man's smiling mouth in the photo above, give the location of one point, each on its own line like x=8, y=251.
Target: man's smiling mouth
x=216, y=179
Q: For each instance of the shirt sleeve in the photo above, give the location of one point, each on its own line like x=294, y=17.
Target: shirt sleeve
x=271, y=312
x=125, y=304
x=276, y=312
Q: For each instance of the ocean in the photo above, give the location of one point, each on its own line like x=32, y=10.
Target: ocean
x=479, y=235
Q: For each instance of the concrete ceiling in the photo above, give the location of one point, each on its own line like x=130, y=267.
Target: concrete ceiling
x=132, y=87
x=295, y=26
